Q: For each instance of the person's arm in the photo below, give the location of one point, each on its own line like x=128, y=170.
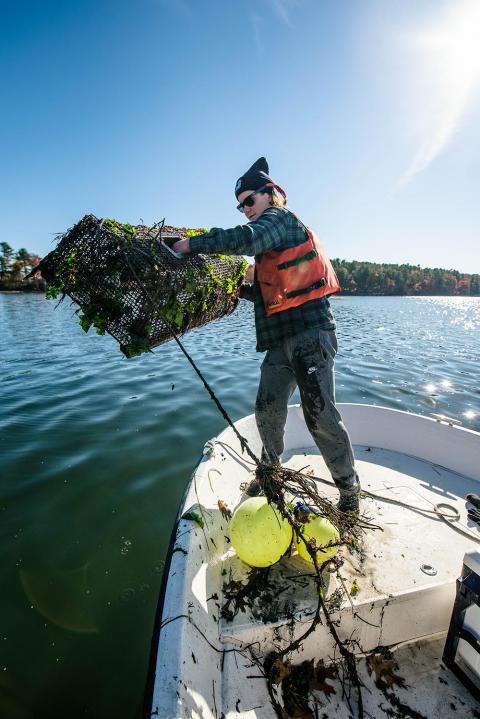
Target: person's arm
x=254, y=238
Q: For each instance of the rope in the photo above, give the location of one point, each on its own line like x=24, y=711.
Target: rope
x=438, y=510
x=450, y=521
x=242, y=440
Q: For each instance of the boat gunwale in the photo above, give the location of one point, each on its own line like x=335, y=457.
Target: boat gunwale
x=155, y=641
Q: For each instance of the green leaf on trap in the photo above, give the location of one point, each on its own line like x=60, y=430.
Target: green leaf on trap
x=194, y=517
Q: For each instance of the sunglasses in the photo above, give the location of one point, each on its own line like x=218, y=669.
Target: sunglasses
x=250, y=200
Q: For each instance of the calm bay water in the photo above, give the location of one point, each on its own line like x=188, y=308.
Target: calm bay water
x=95, y=452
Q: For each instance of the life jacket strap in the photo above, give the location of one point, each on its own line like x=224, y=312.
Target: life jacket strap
x=291, y=263
x=306, y=290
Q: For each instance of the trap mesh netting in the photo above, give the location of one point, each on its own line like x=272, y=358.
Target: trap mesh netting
x=128, y=282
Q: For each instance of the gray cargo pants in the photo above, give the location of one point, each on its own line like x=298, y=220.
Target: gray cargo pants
x=306, y=360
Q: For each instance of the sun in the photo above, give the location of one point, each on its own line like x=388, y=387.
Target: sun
x=445, y=74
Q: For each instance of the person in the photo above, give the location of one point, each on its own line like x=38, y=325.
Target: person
x=293, y=320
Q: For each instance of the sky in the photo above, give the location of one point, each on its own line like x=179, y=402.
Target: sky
x=368, y=112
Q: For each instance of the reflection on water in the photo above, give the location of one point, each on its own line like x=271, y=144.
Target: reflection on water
x=419, y=353
x=64, y=598
x=95, y=453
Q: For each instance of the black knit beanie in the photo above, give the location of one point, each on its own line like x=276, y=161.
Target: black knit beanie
x=254, y=178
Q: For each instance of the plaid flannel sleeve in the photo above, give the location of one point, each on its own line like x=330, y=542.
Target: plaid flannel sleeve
x=254, y=238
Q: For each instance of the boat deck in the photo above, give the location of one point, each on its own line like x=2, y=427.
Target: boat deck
x=396, y=599
x=392, y=569
x=404, y=575
x=421, y=688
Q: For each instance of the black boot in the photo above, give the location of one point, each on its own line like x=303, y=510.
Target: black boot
x=349, y=494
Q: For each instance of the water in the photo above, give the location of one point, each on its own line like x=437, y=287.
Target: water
x=96, y=451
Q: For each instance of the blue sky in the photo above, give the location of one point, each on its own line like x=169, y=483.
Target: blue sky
x=367, y=111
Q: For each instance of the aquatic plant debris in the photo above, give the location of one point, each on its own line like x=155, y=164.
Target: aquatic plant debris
x=384, y=669
x=129, y=284
x=299, y=683
x=194, y=517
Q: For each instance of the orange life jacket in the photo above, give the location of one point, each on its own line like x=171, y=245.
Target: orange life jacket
x=289, y=278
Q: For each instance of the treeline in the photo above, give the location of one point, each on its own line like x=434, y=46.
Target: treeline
x=371, y=278
x=15, y=265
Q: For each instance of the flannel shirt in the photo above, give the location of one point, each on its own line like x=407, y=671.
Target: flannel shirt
x=276, y=229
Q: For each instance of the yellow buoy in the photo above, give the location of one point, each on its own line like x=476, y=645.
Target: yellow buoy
x=323, y=532
x=258, y=532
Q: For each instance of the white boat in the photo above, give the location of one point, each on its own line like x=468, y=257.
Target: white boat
x=420, y=469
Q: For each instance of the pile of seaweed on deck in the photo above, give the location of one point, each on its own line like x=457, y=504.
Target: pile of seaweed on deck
x=294, y=688
x=128, y=283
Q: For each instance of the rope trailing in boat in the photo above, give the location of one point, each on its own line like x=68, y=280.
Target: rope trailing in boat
x=438, y=510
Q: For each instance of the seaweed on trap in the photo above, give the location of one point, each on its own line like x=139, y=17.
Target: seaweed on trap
x=128, y=283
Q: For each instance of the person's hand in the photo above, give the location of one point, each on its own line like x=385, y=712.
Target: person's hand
x=182, y=246
x=249, y=274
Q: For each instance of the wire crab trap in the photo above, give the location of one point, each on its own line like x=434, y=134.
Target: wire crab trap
x=128, y=281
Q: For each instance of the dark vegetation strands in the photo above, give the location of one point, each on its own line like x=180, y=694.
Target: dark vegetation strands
x=299, y=690
x=299, y=682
